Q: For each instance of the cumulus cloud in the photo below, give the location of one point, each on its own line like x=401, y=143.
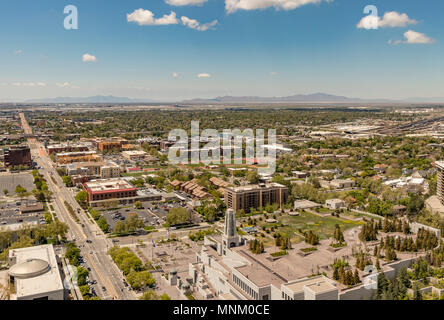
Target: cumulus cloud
x=185, y=2
x=235, y=5
x=88, y=58
x=204, y=75
x=194, y=24
x=389, y=20
x=29, y=84
x=146, y=18
x=413, y=37
x=417, y=37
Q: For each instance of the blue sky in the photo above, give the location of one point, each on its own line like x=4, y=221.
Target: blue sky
x=252, y=50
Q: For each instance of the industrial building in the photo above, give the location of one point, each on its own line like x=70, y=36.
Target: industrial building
x=255, y=196
x=35, y=275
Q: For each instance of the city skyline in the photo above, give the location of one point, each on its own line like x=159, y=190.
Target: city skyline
x=170, y=50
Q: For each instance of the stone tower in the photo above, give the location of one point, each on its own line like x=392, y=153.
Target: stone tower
x=230, y=237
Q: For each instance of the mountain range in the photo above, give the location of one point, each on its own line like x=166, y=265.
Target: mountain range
x=94, y=99
x=297, y=98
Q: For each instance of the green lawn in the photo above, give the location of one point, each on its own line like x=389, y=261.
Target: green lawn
x=322, y=226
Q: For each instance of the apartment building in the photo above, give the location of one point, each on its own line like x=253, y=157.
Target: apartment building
x=440, y=181
x=67, y=147
x=110, y=144
x=104, y=170
x=255, y=196
x=81, y=156
x=134, y=155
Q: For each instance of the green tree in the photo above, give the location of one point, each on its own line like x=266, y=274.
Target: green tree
x=82, y=199
x=138, y=205
x=141, y=279
x=177, y=216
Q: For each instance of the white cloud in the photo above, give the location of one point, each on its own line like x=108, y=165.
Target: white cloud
x=413, y=37
x=62, y=85
x=235, y=5
x=273, y=73
x=389, y=20
x=88, y=58
x=18, y=51
x=204, y=75
x=66, y=85
x=29, y=84
x=146, y=18
x=185, y=2
x=175, y=75
x=416, y=37
x=194, y=24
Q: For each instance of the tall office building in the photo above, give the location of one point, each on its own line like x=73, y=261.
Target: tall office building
x=18, y=156
x=255, y=196
x=440, y=181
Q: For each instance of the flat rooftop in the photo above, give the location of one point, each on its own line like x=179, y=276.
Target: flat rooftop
x=47, y=282
x=134, y=153
x=440, y=164
x=259, y=273
x=109, y=185
x=253, y=187
x=74, y=154
x=316, y=284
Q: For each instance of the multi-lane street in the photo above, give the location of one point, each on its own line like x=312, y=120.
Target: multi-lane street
x=89, y=238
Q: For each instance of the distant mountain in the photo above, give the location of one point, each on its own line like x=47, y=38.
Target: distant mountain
x=309, y=98
x=426, y=100
x=95, y=99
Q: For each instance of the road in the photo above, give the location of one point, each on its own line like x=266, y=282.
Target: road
x=94, y=252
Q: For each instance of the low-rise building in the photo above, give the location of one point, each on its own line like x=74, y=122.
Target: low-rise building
x=300, y=174
x=134, y=155
x=335, y=204
x=102, y=191
x=342, y=183
x=305, y=204
x=67, y=147
x=110, y=144
x=81, y=156
x=104, y=170
x=35, y=273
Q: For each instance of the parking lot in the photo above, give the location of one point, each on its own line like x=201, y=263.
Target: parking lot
x=10, y=215
x=11, y=181
x=113, y=216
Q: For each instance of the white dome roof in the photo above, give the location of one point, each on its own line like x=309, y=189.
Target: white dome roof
x=29, y=269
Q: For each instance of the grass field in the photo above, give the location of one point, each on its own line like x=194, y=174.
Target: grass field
x=324, y=227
